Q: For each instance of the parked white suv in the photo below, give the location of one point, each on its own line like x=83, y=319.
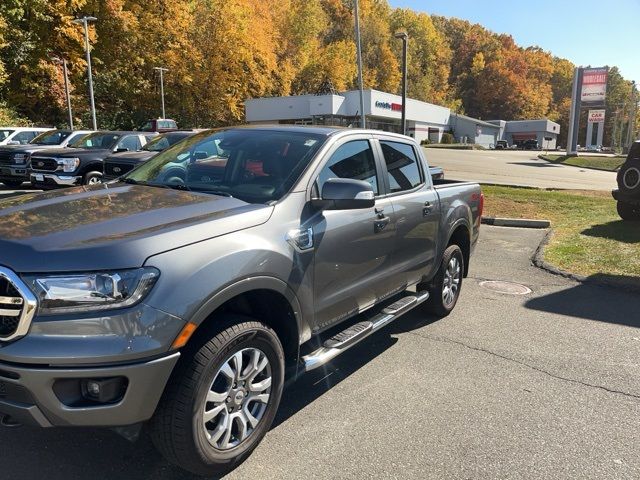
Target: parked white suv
x=19, y=135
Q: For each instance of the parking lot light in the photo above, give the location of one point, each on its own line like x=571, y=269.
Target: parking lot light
x=84, y=21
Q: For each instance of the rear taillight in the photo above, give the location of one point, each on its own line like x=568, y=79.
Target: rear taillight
x=481, y=205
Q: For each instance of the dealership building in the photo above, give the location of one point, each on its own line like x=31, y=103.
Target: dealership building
x=383, y=111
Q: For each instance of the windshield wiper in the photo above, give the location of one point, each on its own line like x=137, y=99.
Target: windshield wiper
x=176, y=186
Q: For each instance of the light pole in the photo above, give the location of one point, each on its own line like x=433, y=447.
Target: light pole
x=84, y=21
x=405, y=38
x=359, y=54
x=162, y=70
x=66, y=87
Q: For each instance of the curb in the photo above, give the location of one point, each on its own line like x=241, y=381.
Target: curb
x=538, y=260
x=516, y=222
x=577, y=166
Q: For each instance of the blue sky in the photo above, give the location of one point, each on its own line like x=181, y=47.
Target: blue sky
x=587, y=32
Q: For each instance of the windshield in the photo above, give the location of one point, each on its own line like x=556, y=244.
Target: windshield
x=52, y=137
x=162, y=142
x=97, y=141
x=256, y=166
x=4, y=134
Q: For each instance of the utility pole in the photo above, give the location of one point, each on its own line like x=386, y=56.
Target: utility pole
x=405, y=38
x=66, y=87
x=84, y=21
x=363, y=123
x=162, y=70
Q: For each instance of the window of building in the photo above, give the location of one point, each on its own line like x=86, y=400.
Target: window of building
x=352, y=160
x=402, y=166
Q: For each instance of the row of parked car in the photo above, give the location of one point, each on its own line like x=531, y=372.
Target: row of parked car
x=60, y=158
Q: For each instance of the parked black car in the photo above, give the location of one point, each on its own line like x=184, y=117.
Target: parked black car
x=118, y=164
x=628, y=193
x=82, y=164
x=14, y=159
x=530, y=145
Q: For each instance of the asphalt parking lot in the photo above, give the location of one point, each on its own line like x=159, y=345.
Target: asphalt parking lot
x=543, y=385
x=516, y=167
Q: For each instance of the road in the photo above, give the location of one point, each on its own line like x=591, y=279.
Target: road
x=516, y=168
x=541, y=386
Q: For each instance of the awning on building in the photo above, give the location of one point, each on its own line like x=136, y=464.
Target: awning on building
x=524, y=136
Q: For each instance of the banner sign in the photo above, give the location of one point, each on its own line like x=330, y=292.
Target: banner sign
x=595, y=116
x=594, y=85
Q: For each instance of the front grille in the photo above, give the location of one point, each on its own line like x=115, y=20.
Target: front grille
x=117, y=169
x=5, y=158
x=44, y=164
x=11, y=305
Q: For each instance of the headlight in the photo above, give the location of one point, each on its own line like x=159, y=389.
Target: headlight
x=69, y=164
x=88, y=292
x=20, y=158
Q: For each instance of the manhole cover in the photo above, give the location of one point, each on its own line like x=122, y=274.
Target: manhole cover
x=508, y=288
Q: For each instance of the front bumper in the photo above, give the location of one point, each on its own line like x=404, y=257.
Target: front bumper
x=14, y=173
x=51, y=180
x=626, y=198
x=31, y=395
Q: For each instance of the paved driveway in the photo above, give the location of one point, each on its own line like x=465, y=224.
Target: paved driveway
x=513, y=387
x=516, y=168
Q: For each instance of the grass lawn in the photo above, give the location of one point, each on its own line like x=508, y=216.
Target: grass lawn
x=588, y=236
x=601, y=163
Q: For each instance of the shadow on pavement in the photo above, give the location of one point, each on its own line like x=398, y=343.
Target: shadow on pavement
x=75, y=453
x=611, y=303
x=535, y=164
x=627, y=232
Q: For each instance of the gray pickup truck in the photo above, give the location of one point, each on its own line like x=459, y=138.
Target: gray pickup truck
x=185, y=295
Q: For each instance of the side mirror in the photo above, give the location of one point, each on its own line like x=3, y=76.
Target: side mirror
x=345, y=194
x=121, y=149
x=13, y=142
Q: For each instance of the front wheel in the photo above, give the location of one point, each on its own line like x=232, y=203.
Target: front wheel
x=444, y=289
x=92, y=178
x=628, y=211
x=222, y=398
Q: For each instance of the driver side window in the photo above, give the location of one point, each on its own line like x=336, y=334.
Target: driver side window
x=352, y=160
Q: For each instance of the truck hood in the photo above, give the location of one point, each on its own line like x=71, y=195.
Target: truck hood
x=74, y=152
x=115, y=226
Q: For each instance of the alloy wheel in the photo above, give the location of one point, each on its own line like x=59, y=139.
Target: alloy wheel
x=237, y=399
x=451, y=283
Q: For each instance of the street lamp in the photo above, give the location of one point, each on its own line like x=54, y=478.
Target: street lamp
x=84, y=21
x=63, y=62
x=162, y=70
x=359, y=55
x=405, y=37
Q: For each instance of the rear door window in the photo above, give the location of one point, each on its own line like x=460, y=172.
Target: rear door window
x=403, y=170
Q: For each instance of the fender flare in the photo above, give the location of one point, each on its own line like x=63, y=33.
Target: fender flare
x=248, y=284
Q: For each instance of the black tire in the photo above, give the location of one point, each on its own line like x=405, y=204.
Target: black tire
x=628, y=211
x=436, y=304
x=629, y=178
x=92, y=178
x=177, y=427
x=13, y=183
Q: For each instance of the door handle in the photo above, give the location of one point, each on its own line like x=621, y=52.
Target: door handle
x=380, y=224
x=379, y=212
x=426, y=210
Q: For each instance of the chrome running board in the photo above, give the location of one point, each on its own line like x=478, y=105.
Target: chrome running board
x=354, y=334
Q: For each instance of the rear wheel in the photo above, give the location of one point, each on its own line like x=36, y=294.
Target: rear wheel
x=222, y=398
x=628, y=211
x=444, y=290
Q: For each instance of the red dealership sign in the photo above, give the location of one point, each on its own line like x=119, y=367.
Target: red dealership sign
x=594, y=84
